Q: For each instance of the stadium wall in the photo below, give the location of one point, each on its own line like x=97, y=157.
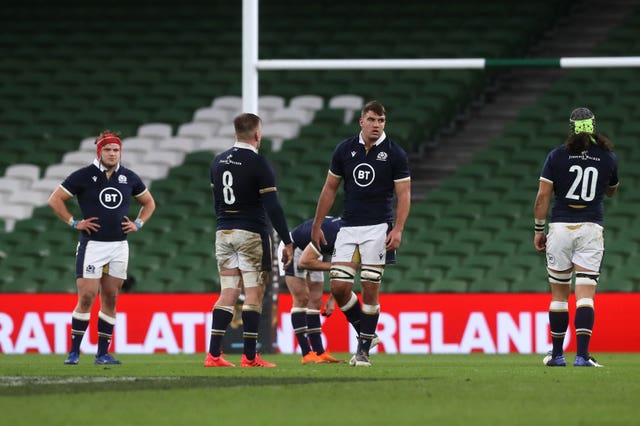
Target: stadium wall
x=409, y=324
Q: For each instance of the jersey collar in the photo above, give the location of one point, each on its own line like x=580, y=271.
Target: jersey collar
x=383, y=136
x=245, y=145
x=102, y=168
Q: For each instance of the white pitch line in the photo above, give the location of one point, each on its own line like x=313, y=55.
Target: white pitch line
x=12, y=381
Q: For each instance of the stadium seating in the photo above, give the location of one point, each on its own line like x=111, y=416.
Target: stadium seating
x=470, y=235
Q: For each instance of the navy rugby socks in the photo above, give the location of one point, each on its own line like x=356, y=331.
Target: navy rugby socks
x=583, y=322
x=299, y=323
x=314, y=331
x=558, y=322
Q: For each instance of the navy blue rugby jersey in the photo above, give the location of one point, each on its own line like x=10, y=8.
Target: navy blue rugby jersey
x=301, y=234
x=106, y=199
x=580, y=183
x=238, y=177
x=369, y=179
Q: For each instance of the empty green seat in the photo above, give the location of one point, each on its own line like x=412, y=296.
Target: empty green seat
x=449, y=286
x=21, y=284
x=48, y=281
x=529, y=285
x=19, y=264
x=477, y=237
x=186, y=263
x=158, y=281
x=467, y=274
x=412, y=281
x=441, y=263
x=456, y=248
x=486, y=262
x=489, y=284
x=142, y=263
x=624, y=279
x=428, y=210
x=199, y=282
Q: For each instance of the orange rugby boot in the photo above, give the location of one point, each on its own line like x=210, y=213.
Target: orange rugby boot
x=256, y=362
x=327, y=358
x=310, y=358
x=217, y=361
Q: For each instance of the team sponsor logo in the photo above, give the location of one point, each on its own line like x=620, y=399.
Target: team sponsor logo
x=551, y=259
x=122, y=179
x=382, y=156
x=110, y=198
x=228, y=160
x=584, y=156
x=364, y=174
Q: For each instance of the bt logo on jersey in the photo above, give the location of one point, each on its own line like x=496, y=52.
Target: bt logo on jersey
x=110, y=198
x=364, y=174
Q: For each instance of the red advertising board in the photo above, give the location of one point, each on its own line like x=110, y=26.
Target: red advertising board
x=409, y=323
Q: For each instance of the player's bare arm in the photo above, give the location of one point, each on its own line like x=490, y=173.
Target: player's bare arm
x=540, y=209
x=57, y=202
x=287, y=255
x=403, y=192
x=147, y=207
x=311, y=259
x=329, y=306
x=327, y=197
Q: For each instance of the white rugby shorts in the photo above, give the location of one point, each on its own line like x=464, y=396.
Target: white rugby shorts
x=94, y=258
x=294, y=269
x=240, y=249
x=581, y=244
x=361, y=244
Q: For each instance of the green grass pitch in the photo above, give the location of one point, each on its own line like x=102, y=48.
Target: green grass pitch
x=474, y=389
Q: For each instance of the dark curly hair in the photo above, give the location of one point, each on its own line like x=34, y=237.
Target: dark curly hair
x=577, y=143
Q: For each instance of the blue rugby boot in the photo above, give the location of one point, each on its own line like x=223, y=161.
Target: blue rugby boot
x=586, y=362
x=72, y=359
x=106, y=359
x=557, y=361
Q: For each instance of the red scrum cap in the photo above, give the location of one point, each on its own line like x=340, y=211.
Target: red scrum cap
x=106, y=139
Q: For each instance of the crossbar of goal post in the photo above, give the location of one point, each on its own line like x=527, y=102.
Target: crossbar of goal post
x=462, y=63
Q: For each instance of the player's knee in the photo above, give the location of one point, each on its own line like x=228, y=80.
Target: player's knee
x=372, y=274
x=587, y=278
x=85, y=303
x=342, y=273
x=303, y=301
x=229, y=281
x=559, y=277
